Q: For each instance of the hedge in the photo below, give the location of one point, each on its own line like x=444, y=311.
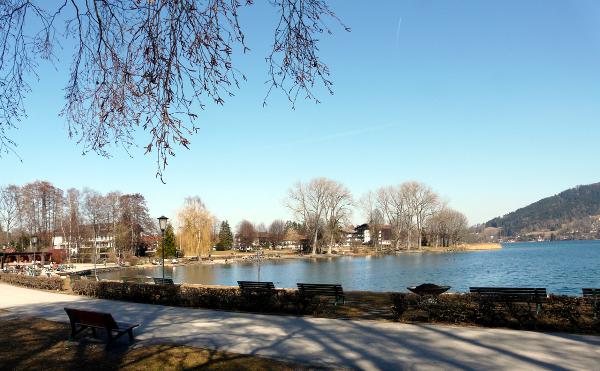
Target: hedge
x=559, y=313
x=37, y=282
x=226, y=298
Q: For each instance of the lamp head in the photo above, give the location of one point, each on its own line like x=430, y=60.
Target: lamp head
x=162, y=222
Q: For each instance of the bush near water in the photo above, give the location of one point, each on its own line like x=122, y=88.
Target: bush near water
x=224, y=298
x=43, y=283
x=559, y=313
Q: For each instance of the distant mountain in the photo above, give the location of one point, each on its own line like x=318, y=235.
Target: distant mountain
x=554, y=213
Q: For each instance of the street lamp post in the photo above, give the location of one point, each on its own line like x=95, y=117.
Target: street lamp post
x=162, y=223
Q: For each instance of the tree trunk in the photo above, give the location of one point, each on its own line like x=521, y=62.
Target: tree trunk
x=314, y=246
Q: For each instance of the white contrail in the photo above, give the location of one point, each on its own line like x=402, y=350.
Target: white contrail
x=398, y=30
x=340, y=134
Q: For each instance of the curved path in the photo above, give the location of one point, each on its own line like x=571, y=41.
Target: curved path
x=369, y=345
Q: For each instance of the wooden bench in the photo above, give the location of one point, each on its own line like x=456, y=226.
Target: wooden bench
x=83, y=319
x=256, y=286
x=527, y=295
x=162, y=281
x=310, y=291
x=258, y=295
x=593, y=296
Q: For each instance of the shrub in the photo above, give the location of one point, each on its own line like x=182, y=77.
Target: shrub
x=443, y=308
x=224, y=298
x=402, y=302
x=39, y=282
x=559, y=313
x=563, y=308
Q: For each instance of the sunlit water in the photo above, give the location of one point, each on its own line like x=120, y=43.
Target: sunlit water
x=562, y=267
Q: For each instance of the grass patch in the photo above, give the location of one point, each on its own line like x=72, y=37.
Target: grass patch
x=36, y=344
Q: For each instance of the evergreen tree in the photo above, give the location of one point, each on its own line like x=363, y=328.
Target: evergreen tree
x=168, y=243
x=225, y=236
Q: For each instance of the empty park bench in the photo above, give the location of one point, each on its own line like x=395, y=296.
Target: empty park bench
x=592, y=295
x=162, y=281
x=250, y=287
x=311, y=291
x=83, y=319
x=508, y=295
x=257, y=293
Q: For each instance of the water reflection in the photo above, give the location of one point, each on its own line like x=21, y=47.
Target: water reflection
x=562, y=267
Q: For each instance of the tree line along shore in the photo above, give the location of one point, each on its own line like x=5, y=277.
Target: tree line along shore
x=85, y=225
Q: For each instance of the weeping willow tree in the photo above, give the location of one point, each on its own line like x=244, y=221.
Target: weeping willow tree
x=195, y=227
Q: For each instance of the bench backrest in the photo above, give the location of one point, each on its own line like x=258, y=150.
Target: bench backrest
x=163, y=281
x=256, y=285
x=90, y=318
x=320, y=289
x=510, y=293
x=590, y=292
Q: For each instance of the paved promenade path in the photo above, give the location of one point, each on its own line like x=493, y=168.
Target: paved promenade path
x=368, y=345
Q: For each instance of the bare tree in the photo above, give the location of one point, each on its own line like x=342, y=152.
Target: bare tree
x=277, y=232
x=96, y=213
x=246, y=233
x=374, y=216
x=135, y=219
x=150, y=64
x=9, y=207
x=338, y=209
x=308, y=203
x=392, y=203
x=447, y=227
x=74, y=221
x=422, y=204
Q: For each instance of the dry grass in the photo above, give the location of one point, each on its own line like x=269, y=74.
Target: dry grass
x=36, y=344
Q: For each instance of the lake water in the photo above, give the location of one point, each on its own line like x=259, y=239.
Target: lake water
x=562, y=267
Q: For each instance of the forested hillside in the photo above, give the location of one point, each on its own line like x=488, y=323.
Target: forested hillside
x=552, y=213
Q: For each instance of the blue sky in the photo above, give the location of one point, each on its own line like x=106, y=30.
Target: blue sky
x=494, y=104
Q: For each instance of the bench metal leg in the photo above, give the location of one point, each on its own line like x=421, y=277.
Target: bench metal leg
x=75, y=331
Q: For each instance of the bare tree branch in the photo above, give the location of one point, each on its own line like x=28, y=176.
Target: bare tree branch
x=149, y=65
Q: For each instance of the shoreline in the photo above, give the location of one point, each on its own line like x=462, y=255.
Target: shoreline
x=270, y=255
